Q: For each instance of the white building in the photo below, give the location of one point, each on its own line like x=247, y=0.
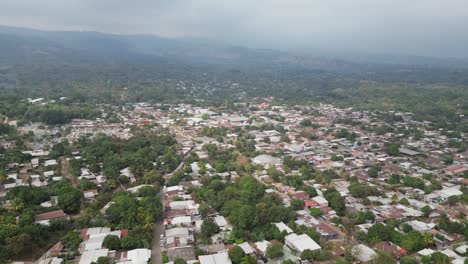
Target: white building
x=363, y=253
x=301, y=242
x=219, y=258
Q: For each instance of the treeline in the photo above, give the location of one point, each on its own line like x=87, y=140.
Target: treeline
x=54, y=114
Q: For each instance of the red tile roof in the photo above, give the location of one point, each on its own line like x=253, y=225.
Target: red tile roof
x=50, y=215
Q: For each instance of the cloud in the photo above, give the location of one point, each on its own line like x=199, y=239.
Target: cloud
x=427, y=27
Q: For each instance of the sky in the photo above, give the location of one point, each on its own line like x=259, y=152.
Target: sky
x=408, y=27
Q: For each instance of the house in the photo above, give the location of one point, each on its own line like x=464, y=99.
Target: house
x=44, y=218
x=49, y=163
x=301, y=242
x=322, y=202
x=179, y=221
x=390, y=248
x=282, y=227
x=178, y=237
x=92, y=256
x=221, y=222
x=262, y=246
x=363, y=253
x=220, y=258
x=90, y=194
x=135, y=256
x=95, y=237
x=408, y=152
x=246, y=248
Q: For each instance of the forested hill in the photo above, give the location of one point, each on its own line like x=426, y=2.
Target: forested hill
x=97, y=67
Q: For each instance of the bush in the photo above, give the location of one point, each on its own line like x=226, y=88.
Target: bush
x=275, y=250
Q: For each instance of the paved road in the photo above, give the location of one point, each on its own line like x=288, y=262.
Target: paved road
x=158, y=229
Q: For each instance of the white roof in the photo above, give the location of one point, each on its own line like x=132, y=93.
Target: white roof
x=450, y=253
x=50, y=162
x=363, y=253
x=181, y=220
x=301, y=242
x=426, y=252
x=174, y=188
x=282, y=227
x=92, y=256
x=320, y=199
x=266, y=160
x=48, y=173
x=220, y=220
x=447, y=192
x=189, y=204
x=220, y=258
x=97, y=236
x=420, y=226
x=247, y=248
x=459, y=260
x=178, y=231
x=97, y=230
x=462, y=249
x=139, y=256
x=136, y=188
x=262, y=245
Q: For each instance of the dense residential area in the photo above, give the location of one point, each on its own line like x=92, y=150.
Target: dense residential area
x=248, y=182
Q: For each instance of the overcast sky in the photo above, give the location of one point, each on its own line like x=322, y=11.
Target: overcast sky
x=417, y=27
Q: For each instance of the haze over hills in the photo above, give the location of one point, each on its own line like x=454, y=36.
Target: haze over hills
x=99, y=67
x=29, y=45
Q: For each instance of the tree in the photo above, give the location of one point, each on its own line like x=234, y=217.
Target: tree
x=275, y=250
x=426, y=210
x=315, y=212
x=392, y=149
x=404, y=201
x=72, y=240
x=310, y=190
x=342, y=133
x=103, y=260
x=85, y=184
x=297, y=204
x=236, y=254
x=3, y=176
x=74, y=167
x=408, y=260
x=124, y=179
x=248, y=260
x=153, y=177
x=335, y=200
x=453, y=200
x=70, y=200
x=439, y=258
x=209, y=228
x=16, y=205
x=378, y=231
x=448, y=160
x=180, y=261
x=111, y=242
x=373, y=173
x=384, y=258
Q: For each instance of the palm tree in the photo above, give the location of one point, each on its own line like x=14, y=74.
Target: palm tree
x=16, y=205
x=148, y=225
x=3, y=177
x=141, y=214
x=428, y=240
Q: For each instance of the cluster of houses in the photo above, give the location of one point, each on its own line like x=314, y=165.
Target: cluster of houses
x=349, y=142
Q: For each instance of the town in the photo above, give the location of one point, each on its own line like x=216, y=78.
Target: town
x=253, y=182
